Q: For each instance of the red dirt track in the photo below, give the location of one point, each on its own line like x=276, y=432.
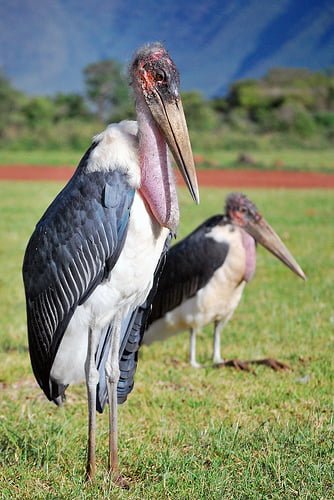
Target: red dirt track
x=208, y=178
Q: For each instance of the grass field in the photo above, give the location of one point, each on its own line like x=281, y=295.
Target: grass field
x=40, y=157
x=282, y=159
x=187, y=433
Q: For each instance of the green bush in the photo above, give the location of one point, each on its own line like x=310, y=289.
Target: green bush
x=325, y=119
x=267, y=120
x=39, y=111
x=199, y=112
x=65, y=134
x=238, y=119
x=304, y=124
x=288, y=104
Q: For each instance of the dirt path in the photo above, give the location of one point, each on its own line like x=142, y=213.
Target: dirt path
x=210, y=178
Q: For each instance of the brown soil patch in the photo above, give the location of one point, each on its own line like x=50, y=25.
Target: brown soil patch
x=210, y=178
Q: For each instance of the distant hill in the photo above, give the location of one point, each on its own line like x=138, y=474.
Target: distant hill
x=44, y=44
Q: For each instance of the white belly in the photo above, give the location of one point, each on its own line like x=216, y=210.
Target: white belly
x=127, y=287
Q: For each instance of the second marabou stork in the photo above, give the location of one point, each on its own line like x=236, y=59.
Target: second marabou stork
x=90, y=263
x=206, y=272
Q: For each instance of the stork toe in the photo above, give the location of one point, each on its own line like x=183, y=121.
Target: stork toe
x=121, y=481
x=272, y=363
x=234, y=363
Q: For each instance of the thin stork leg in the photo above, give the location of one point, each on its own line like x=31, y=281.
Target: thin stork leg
x=218, y=361
x=112, y=374
x=92, y=378
x=218, y=326
x=237, y=363
x=192, y=349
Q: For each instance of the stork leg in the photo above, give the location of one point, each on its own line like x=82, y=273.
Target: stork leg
x=237, y=363
x=192, y=348
x=218, y=327
x=218, y=361
x=92, y=378
x=112, y=374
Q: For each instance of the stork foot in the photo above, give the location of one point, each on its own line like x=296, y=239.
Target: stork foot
x=121, y=481
x=234, y=363
x=272, y=363
x=194, y=364
x=90, y=472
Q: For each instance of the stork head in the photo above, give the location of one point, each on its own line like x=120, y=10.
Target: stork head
x=243, y=213
x=154, y=75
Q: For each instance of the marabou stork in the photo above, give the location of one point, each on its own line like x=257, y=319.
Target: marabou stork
x=90, y=263
x=206, y=272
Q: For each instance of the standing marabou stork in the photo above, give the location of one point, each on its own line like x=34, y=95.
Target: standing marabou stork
x=91, y=260
x=206, y=272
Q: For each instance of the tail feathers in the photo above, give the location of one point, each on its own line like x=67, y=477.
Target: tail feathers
x=129, y=357
x=133, y=328
x=57, y=392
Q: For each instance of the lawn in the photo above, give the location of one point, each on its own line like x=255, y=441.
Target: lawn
x=274, y=159
x=185, y=433
x=280, y=159
x=40, y=157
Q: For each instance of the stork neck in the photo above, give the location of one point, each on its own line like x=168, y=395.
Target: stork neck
x=158, y=187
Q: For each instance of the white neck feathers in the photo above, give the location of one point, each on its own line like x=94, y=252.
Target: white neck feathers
x=117, y=148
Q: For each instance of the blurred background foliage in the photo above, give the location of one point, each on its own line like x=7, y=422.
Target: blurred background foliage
x=288, y=106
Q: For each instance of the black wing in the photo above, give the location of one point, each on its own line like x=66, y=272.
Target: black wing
x=73, y=248
x=189, y=266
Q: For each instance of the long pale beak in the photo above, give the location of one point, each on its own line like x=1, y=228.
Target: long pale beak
x=264, y=234
x=170, y=117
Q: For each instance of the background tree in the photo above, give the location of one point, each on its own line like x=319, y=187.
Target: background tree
x=199, y=112
x=288, y=105
x=70, y=106
x=39, y=111
x=10, y=104
x=107, y=89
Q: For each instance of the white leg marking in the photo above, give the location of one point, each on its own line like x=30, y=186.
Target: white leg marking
x=218, y=327
x=192, y=349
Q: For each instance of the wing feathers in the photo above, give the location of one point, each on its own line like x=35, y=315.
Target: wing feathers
x=74, y=246
x=189, y=266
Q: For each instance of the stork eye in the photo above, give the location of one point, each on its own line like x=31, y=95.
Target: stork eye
x=160, y=76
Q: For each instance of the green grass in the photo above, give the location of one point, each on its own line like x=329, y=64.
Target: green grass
x=188, y=433
x=320, y=160
x=280, y=159
x=41, y=157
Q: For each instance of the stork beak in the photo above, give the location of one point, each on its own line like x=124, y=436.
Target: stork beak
x=264, y=234
x=169, y=115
